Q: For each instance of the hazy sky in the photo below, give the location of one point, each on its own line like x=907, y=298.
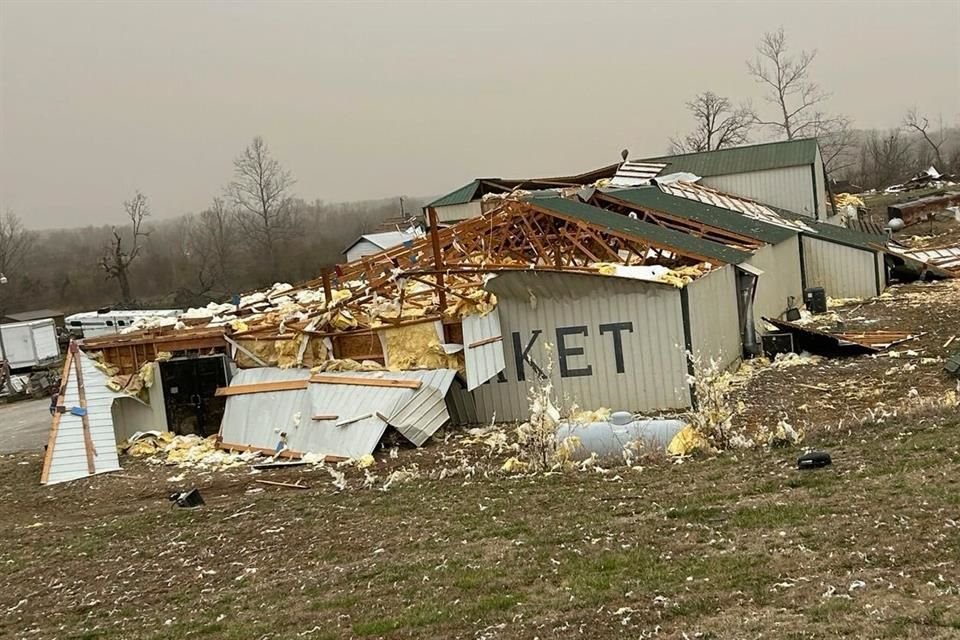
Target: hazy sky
x=368, y=99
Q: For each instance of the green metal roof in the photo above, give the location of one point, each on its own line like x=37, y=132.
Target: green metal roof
x=656, y=200
x=678, y=241
x=462, y=195
x=754, y=157
x=842, y=235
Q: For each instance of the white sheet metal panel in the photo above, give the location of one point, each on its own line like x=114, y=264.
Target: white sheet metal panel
x=69, y=461
x=844, y=272
x=780, y=280
x=714, y=318
x=789, y=188
x=457, y=212
x=740, y=204
x=361, y=248
x=621, y=341
x=419, y=417
x=635, y=173
x=45, y=340
x=485, y=361
x=258, y=418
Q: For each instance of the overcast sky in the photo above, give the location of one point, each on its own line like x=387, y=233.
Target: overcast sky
x=367, y=99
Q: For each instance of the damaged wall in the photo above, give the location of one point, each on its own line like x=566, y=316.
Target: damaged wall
x=790, y=188
x=132, y=414
x=781, y=278
x=843, y=271
x=714, y=317
x=617, y=343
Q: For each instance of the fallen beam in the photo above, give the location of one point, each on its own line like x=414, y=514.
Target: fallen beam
x=262, y=387
x=365, y=382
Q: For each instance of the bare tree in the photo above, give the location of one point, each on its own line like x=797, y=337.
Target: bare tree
x=889, y=157
x=117, y=258
x=798, y=100
x=214, y=236
x=15, y=243
x=260, y=191
x=719, y=124
x=917, y=122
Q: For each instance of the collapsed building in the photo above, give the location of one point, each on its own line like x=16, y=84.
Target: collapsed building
x=610, y=286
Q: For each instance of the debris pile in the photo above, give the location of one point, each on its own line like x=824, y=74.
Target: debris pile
x=189, y=451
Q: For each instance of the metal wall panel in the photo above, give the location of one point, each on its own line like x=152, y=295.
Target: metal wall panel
x=45, y=340
x=781, y=279
x=458, y=212
x=714, y=318
x=824, y=210
x=791, y=188
x=844, y=272
x=484, y=361
x=69, y=461
x=258, y=418
x=644, y=317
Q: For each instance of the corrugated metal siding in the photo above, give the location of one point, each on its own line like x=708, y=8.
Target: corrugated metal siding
x=421, y=415
x=714, y=318
x=882, y=270
x=654, y=369
x=780, y=264
x=844, y=272
x=485, y=361
x=790, y=188
x=457, y=196
x=69, y=460
x=457, y=212
x=823, y=205
x=258, y=418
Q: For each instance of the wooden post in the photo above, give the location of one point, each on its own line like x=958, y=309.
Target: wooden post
x=325, y=275
x=437, y=258
x=55, y=426
x=85, y=418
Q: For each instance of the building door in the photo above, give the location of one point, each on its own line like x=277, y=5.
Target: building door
x=189, y=385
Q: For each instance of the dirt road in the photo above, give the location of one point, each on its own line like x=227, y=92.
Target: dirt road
x=24, y=425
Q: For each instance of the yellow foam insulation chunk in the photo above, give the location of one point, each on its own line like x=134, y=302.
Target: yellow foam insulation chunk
x=585, y=416
x=844, y=199
x=146, y=374
x=606, y=268
x=347, y=364
x=417, y=346
x=239, y=325
x=475, y=303
x=686, y=442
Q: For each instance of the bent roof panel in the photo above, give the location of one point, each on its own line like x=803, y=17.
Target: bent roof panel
x=653, y=198
x=462, y=195
x=676, y=241
x=754, y=157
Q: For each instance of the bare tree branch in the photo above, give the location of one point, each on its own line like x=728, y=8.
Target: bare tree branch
x=718, y=124
x=116, y=259
x=915, y=121
x=15, y=243
x=260, y=191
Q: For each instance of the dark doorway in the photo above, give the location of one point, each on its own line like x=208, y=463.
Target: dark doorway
x=189, y=385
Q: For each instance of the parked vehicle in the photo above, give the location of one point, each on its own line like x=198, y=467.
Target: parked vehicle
x=89, y=324
x=30, y=344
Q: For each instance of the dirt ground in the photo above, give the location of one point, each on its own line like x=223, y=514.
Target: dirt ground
x=734, y=546
x=731, y=546
x=834, y=392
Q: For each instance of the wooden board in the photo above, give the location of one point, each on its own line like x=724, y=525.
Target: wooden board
x=366, y=382
x=262, y=387
x=55, y=426
x=480, y=343
x=293, y=455
x=85, y=418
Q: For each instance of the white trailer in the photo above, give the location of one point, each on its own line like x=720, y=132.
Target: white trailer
x=90, y=324
x=30, y=344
